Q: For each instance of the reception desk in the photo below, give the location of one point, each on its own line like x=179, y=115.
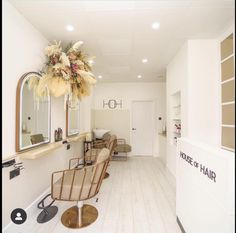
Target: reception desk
x=205, y=182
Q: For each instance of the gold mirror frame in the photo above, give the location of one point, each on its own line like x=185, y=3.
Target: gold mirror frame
x=67, y=122
x=19, y=114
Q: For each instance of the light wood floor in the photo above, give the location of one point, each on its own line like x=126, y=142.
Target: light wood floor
x=138, y=197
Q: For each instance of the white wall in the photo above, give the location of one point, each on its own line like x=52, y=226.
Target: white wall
x=204, y=91
x=176, y=80
x=128, y=92
x=195, y=72
x=23, y=48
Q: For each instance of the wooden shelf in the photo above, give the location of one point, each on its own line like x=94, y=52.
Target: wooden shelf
x=76, y=137
x=163, y=134
x=45, y=149
x=40, y=151
x=228, y=148
x=177, y=133
x=177, y=106
x=37, y=152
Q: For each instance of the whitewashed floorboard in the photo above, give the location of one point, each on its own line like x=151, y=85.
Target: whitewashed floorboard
x=138, y=197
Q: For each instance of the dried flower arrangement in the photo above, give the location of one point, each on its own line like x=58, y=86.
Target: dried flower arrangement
x=66, y=73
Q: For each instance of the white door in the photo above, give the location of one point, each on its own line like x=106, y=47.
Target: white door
x=142, y=127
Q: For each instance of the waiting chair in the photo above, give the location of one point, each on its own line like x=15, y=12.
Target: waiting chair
x=80, y=184
x=121, y=147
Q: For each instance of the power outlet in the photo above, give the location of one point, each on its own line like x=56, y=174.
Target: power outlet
x=14, y=173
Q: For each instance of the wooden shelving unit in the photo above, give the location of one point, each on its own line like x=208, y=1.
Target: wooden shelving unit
x=227, y=94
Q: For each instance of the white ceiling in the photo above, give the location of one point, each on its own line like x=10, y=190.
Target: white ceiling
x=119, y=33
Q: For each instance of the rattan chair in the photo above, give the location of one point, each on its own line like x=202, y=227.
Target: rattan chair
x=80, y=184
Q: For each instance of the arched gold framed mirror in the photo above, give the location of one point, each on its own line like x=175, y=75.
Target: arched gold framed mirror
x=33, y=114
x=72, y=119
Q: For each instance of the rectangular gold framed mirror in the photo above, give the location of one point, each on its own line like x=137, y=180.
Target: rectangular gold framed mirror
x=32, y=114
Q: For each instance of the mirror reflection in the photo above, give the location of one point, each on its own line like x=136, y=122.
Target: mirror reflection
x=72, y=120
x=34, y=115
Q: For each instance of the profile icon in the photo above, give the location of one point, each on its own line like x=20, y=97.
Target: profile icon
x=18, y=216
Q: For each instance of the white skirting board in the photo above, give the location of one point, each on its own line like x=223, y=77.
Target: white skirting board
x=31, y=210
x=205, y=180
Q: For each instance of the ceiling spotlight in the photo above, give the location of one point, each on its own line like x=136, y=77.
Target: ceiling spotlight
x=69, y=28
x=91, y=62
x=139, y=76
x=99, y=76
x=145, y=60
x=155, y=25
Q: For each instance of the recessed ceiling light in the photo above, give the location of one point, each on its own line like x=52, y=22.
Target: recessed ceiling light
x=139, y=76
x=155, y=25
x=69, y=28
x=144, y=60
x=99, y=76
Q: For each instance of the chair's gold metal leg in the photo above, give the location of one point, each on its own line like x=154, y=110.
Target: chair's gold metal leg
x=76, y=217
x=80, y=222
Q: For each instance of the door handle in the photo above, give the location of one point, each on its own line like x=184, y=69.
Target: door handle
x=133, y=128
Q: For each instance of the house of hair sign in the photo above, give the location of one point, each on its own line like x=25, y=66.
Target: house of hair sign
x=202, y=168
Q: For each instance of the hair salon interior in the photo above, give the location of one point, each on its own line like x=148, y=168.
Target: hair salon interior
x=118, y=116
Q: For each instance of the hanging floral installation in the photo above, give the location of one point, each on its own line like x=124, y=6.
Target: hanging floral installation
x=66, y=73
